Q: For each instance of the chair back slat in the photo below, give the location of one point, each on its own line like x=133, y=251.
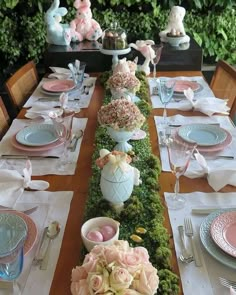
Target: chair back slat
x=22, y=83
x=4, y=119
x=223, y=83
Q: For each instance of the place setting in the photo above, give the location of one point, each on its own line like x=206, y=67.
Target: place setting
x=213, y=217
x=197, y=84
x=53, y=147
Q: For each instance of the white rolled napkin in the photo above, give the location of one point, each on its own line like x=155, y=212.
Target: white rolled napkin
x=12, y=184
x=218, y=177
x=38, y=110
x=60, y=73
x=231, y=291
x=205, y=105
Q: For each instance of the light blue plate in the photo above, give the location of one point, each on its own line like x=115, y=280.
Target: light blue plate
x=210, y=245
x=37, y=135
x=202, y=134
x=13, y=230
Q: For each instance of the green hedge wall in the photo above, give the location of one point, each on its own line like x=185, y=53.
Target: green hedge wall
x=23, y=32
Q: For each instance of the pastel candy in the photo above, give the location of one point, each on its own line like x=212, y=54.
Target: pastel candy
x=108, y=232
x=94, y=235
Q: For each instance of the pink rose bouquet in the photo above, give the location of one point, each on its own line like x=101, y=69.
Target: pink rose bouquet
x=121, y=114
x=115, y=269
x=121, y=80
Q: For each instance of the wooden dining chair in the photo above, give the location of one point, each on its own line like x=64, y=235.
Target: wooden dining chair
x=232, y=113
x=4, y=119
x=22, y=84
x=223, y=82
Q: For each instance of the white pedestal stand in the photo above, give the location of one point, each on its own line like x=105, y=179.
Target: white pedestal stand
x=115, y=54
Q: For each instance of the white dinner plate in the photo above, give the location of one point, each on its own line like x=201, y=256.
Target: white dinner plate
x=37, y=135
x=210, y=245
x=202, y=134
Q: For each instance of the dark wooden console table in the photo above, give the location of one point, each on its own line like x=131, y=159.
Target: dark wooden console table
x=172, y=59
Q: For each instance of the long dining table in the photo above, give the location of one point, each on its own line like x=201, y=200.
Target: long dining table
x=79, y=183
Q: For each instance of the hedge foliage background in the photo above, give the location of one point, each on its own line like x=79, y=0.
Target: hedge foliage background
x=210, y=22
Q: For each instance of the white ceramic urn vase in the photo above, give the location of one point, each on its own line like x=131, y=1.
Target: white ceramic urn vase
x=117, y=180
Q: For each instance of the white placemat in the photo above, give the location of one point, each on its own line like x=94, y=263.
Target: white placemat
x=40, y=166
x=201, y=280
x=83, y=102
x=224, y=122
x=51, y=206
x=204, y=91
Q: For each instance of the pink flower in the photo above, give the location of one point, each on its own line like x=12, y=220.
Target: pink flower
x=98, y=283
x=90, y=263
x=120, y=278
x=148, y=280
x=142, y=253
x=129, y=292
x=78, y=273
x=121, y=80
x=79, y=288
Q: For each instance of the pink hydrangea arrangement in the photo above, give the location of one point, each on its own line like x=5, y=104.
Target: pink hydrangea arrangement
x=125, y=80
x=115, y=269
x=121, y=114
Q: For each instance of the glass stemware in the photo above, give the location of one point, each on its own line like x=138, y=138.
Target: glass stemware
x=165, y=91
x=179, y=155
x=63, y=126
x=157, y=49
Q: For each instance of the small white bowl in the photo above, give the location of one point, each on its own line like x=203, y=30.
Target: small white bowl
x=96, y=223
x=174, y=41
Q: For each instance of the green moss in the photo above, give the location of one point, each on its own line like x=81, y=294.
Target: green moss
x=144, y=208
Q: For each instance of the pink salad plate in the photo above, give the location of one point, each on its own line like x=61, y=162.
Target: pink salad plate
x=208, y=149
x=32, y=230
x=223, y=232
x=58, y=85
x=181, y=85
x=139, y=134
x=43, y=148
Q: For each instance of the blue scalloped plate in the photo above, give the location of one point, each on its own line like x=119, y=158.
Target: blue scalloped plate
x=13, y=230
x=202, y=134
x=37, y=135
x=209, y=244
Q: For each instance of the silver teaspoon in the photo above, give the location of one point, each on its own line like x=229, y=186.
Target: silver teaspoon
x=52, y=232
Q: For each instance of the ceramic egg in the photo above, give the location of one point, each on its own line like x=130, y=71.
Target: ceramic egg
x=108, y=232
x=95, y=235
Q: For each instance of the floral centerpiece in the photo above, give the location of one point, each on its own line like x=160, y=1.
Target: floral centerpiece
x=122, y=80
x=123, y=85
x=121, y=114
x=115, y=269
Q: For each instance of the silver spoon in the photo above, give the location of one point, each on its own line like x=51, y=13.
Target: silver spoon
x=52, y=232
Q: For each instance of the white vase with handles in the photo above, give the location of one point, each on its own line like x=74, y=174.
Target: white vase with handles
x=121, y=137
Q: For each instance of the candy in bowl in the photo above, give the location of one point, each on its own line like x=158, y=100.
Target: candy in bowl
x=175, y=40
x=99, y=231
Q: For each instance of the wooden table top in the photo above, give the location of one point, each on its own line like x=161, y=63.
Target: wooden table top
x=79, y=183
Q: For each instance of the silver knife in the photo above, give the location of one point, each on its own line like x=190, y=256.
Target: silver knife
x=204, y=211
x=27, y=157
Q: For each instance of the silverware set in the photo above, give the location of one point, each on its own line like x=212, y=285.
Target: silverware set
x=187, y=256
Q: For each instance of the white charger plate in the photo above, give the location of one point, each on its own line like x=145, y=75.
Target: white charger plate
x=202, y=134
x=37, y=135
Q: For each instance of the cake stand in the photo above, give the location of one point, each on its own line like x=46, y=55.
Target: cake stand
x=115, y=54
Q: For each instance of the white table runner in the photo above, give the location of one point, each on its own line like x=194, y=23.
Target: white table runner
x=51, y=206
x=83, y=102
x=40, y=166
x=204, y=91
x=201, y=280
x=224, y=122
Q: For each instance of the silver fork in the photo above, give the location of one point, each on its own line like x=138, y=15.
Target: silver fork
x=227, y=283
x=154, y=91
x=189, y=233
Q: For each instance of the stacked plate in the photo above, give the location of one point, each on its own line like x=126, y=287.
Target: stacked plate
x=181, y=85
x=209, y=138
x=217, y=233
x=36, y=138
x=25, y=231
x=56, y=87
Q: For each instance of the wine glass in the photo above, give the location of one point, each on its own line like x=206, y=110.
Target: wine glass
x=165, y=90
x=63, y=126
x=157, y=49
x=179, y=155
